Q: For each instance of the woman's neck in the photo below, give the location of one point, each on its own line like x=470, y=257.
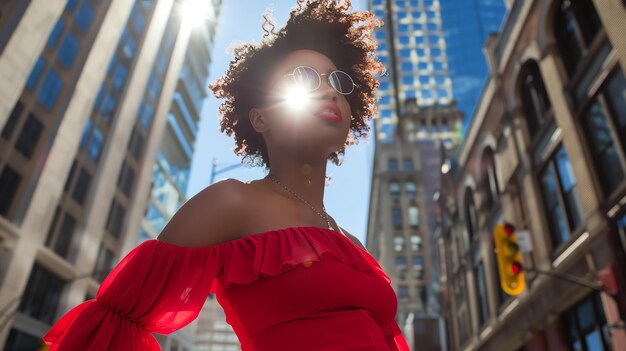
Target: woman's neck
x=305, y=178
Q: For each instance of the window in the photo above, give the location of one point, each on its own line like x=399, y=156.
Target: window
x=104, y=263
x=86, y=132
x=62, y=241
x=84, y=16
x=9, y=126
x=82, y=186
x=29, y=137
x=398, y=243
x=620, y=224
x=413, y=216
x=560, y=196
x=410, y=189
x=135, y=145
x=418, y=261
x=575, y=26
x=392, y=164
x=154, y=87
x=55, y=34
x=396, y=215
x=112, y=64
x=96, y=104
x=115, y=219
x=471, y=219
x=68, y=180
x=9, y=183
x=129, y=48
x=482, y=295
x=69, y=49
x=119, y=79
x=416, y=242
x=489, y=181
x=403, y=293
x=42, y=295
x=95, y=144
x=33, y=78
x=534, y=98
x=608, y=109
x=407, y=164
x=145, y=114
x=108, y=108
x=126, y=179
x=138, y=19
x=587, y=327
x=400, y=261
x=50, y=89
x=20, y=340
x=394, y=190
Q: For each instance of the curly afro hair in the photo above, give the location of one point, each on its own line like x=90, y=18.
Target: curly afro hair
x=321, y=25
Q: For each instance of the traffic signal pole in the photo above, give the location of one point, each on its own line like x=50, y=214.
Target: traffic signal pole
x=597, y=287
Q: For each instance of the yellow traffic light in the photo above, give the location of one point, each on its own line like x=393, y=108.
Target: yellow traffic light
x=509, y=260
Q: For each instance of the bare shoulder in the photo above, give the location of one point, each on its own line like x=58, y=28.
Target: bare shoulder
x=210, y=217
x=354, y=239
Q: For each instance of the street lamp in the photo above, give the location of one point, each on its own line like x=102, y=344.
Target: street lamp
x=215, y=172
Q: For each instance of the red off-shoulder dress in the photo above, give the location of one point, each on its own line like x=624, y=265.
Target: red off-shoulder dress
x=293, y=289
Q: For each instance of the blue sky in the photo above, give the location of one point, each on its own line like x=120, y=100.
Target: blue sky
x=347, y=198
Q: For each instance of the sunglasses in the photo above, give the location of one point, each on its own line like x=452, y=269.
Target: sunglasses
x=309, y=79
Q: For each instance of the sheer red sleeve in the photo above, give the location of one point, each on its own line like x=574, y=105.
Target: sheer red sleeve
x=157, y=287
x=394, y=338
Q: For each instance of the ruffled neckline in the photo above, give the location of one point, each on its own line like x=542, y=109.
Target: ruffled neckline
x=276, y=251
x=259, y=234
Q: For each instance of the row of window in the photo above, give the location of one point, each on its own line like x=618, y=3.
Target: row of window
x=392, y=164
x=403, y=294
x=416, y=261
x=395, y=189
x=396, y=217
x=399, y=242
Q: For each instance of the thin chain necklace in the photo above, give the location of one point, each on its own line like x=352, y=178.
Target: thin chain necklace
x=325, y=217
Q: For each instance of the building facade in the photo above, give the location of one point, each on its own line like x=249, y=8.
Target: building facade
x=546, y=152
x=98, y=90
x=401, y=212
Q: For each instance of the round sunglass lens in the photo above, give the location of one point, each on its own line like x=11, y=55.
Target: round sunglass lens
x=306, y=77
x=341, y=81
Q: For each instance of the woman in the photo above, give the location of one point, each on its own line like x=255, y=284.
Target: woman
x=287, y=276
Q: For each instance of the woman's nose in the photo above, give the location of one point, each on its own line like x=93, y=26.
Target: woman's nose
x=326, y=90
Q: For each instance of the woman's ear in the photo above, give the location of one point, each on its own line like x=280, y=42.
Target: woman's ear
x=257, y=120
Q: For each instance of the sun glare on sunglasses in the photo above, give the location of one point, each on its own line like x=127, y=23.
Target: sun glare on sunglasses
x=303, y=81
x=296, y=97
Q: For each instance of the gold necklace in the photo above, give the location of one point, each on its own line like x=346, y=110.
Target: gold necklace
x=303, y=200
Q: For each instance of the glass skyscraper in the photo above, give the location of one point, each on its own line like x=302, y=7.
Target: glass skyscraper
x=466, y=26
x=432, y=50
x=412, y=48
